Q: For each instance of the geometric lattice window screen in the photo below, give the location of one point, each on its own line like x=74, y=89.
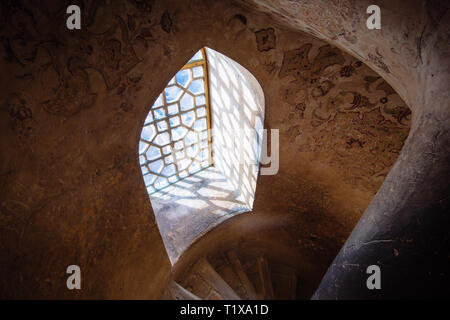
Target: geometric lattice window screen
x=175, y=140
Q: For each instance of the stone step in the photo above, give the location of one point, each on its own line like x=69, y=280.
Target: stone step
x=265, y=278
x=239, y=270
x=204, y=270
x=180, y=293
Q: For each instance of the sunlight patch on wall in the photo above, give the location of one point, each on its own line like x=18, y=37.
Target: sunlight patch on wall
x=237, y=107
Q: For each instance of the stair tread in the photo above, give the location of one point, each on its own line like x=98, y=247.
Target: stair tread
x=266, y=279
x=242, y=275
x=180, y=293
x=224, y=276
x=204, y=269
x=228, y=271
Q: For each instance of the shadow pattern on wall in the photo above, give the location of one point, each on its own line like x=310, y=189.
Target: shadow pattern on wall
x=189, y=208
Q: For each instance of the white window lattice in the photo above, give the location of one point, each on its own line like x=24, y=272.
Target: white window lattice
x=175, y=140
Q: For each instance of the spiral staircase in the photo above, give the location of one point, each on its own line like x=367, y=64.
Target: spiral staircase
x=228, y=276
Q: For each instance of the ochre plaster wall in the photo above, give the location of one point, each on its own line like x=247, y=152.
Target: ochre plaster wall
x=73, y=104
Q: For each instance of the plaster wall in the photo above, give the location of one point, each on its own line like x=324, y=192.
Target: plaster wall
x=73, y=105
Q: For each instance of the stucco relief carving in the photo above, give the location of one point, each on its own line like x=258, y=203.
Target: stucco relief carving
x=344, y=109
x=117, y=56
x=265, y=39
x=110, y=53
x=20, y=115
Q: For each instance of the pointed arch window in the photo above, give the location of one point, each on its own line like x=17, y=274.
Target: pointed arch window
x=199, y=148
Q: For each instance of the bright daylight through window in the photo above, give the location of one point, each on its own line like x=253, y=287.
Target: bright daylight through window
x=175, y=141
x=200, y=147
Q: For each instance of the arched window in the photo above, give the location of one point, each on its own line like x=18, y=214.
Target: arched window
x=200, y=148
